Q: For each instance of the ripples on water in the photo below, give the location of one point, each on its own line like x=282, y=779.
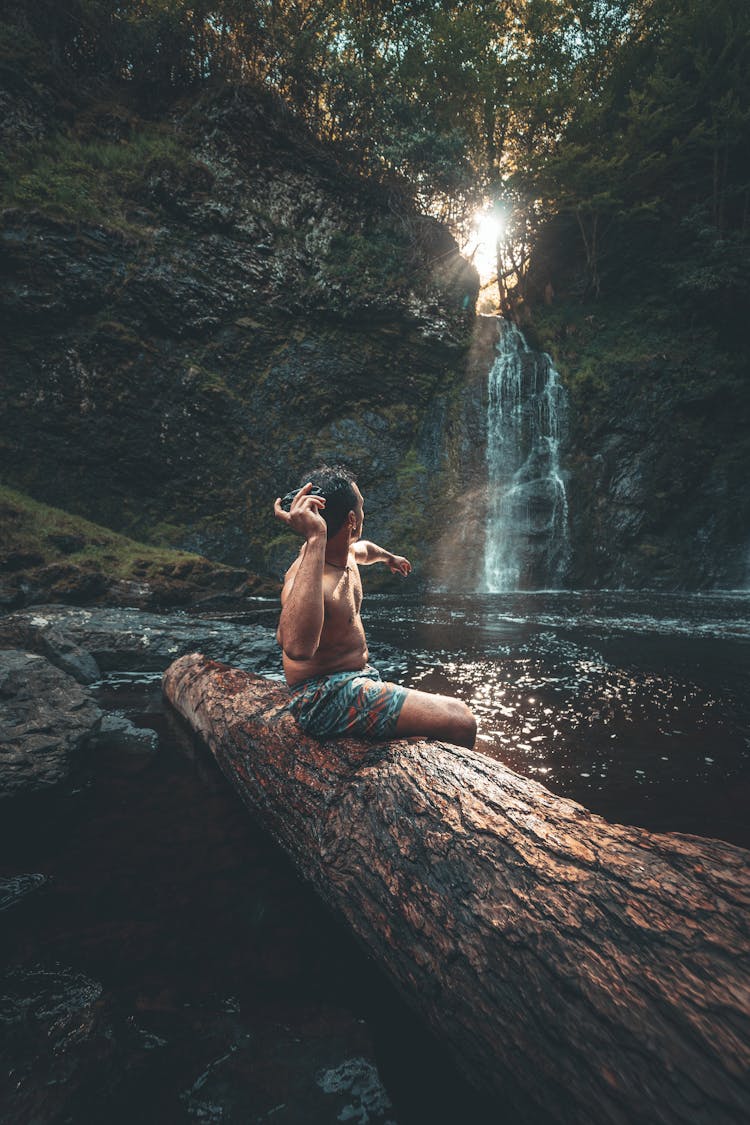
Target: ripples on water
x=635, y=704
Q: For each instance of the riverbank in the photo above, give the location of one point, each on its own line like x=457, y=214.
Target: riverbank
x=50, y=555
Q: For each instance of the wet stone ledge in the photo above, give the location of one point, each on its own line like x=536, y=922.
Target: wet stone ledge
x=133, y=640
x=46, y=721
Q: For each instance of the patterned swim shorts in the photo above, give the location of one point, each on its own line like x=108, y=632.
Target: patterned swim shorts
x=355, y=703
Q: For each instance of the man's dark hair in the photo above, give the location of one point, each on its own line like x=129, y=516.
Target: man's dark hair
x=337, y=485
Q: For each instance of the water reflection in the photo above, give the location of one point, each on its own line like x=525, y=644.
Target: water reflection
x=634, y=704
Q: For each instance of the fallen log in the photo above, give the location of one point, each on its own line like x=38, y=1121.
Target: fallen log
x=582, y=971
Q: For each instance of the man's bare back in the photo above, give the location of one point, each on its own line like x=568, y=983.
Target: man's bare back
x=334, y=689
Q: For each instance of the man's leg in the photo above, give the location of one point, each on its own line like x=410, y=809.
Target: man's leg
x=436, y=716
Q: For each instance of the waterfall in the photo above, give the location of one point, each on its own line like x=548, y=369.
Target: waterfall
x=526, y=541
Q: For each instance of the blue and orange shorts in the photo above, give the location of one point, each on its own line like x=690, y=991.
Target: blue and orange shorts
x=354, y=703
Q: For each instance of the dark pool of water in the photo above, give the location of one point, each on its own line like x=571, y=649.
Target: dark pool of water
x=635, y=704
x=228, y=993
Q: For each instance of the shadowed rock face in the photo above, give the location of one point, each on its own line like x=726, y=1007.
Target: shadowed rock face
x=29, y=580
x=659, y=483
x=251, y=309
x=46, y=719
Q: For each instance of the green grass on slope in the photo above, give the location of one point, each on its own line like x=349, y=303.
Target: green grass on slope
x=34, y=534
x=84, y=180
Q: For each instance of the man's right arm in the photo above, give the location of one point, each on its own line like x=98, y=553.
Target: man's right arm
x=302, y=613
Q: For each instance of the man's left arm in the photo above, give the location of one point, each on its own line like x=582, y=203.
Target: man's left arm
x=366, y=553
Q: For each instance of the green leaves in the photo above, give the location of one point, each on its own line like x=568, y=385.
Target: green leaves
x=602, y=116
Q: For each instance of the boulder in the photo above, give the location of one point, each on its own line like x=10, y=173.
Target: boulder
x=37, y=634
x=54, y=1035
x=15, y=888
x=46, y=720
x=117, y=731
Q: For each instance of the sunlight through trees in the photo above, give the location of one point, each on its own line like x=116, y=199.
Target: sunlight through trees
x=624, y=125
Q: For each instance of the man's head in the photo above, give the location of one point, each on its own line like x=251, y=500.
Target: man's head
x=342, y=498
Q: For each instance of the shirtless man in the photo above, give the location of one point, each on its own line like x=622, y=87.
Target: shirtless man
x=334, y=690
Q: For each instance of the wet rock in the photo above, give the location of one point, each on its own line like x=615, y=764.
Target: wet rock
x=34, y=634
x=129, y=639
x=357, y=1083
x=117, y=731
x=46, y=719
x=317, y=1071
x=52, y=1029
x=52, y=997
x=15, y=888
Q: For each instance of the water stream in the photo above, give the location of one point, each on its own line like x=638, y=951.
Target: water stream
x=526, y=541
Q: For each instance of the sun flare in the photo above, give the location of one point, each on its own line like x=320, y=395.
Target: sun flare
x=488, y=228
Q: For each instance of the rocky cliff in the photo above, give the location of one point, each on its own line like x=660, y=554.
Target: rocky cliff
x=197, y=309
x=659, y=446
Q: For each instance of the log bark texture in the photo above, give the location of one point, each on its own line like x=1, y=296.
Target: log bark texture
x=582, y=971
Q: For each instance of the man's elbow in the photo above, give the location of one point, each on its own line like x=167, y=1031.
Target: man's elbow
x=300, y=653
x=298, y=644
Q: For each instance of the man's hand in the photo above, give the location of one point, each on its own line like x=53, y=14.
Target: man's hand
x=304, y=514
x=397, y=564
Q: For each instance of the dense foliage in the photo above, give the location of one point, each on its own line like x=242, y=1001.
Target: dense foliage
x=613, y=133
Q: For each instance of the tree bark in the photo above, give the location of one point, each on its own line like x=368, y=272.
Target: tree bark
x=583, y=972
